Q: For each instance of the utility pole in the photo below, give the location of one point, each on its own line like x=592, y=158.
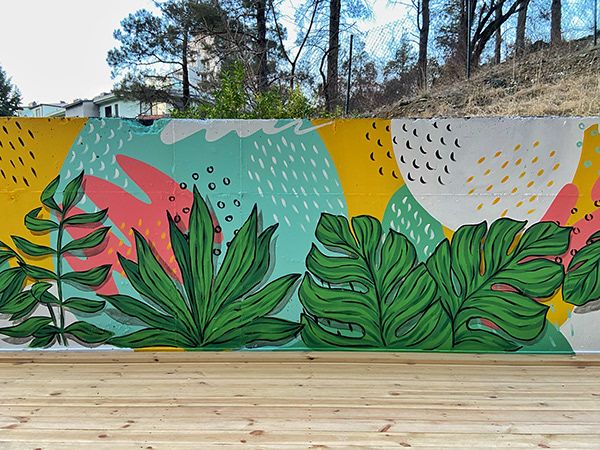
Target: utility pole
x=347, y=106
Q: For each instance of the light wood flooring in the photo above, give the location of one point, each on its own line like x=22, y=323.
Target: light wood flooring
x=173, y=401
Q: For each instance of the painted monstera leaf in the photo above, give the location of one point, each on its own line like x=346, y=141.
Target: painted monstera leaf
x=582, y=281
x=489, y=281
x=375, y=294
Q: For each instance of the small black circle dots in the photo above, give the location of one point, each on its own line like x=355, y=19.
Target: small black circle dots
x=228, y=218
x=212, y=186
x=221, y=205
x=183, y=185
x=218, y=229
x=186, y=210
x=171, y=198
x=177, y=218
x=210, y=169
x=195, y=175
x=217, y=252
x=226, y=181
x=236, y=202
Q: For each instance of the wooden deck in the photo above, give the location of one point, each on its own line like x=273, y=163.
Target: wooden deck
x=177, y=401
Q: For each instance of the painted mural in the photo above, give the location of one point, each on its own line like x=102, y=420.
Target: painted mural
x=416, y=235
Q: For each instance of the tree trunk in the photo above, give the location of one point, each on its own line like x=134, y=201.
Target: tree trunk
x=521, y=29
x=555, y=23
x=423, y=42
x=498, y=37
x=261, y=44
x=185, y=73
x=331, y=87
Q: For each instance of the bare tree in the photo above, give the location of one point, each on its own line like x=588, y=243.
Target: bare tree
x=498, y=38
x=521, y=28
x=331, y=87
x=423, y=22
x=555, y=22
x=260, y=7
x=303, y=39
x=489, y=17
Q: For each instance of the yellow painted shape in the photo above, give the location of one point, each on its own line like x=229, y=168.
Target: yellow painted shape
x=362, y=152
x=586, y=174
x=585, y=177
x=559, y=310
x=32, y=153
x=448, y=233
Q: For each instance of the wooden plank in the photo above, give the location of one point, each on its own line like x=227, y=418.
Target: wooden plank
x=330, y=439
x=292, y=400
x=284, y=357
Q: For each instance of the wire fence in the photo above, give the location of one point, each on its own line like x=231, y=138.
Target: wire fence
x=395, y=44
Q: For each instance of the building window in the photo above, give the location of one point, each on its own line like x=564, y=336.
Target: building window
x=108, y=111
x=116, y=110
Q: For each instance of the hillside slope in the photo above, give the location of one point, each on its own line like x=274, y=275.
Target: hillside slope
x=549, y=82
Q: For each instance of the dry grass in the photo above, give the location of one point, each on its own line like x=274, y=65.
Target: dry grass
x=549, y=82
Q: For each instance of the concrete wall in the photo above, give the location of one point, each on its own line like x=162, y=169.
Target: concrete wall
x=442, y=234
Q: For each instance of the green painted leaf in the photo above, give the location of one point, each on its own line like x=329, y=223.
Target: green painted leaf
x=37, y=225
x=269, y=330
x=84, y=305
x=38, y=273
x=181, y=251
x=163, y=290
x=47, y=197
x=7, y=254
x=86, y=218
x=141, y=311
x=46, y=330
x=30, y=248
x=201, y=235
x=582, y=281
x=39, y=289
x=206, y=311
x=19, y=303
x=489, y=286
x=7, y=276
x=72, y=192
x=334, y=233
x=43, y=341
x=151, y=337
x=41, y=292
x=374, y=296
x=237, y=315
x=26, y=328
x=92, y=278
x=90, y=241
x=88, y=333
x=237, y=264
x=12, y=283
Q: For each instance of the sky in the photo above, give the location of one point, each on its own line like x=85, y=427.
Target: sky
x=55, y=50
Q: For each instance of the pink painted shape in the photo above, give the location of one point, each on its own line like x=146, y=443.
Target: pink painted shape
x=127, y=212
x=560, y=209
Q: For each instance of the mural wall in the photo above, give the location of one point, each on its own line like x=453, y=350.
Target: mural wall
x=447, y=235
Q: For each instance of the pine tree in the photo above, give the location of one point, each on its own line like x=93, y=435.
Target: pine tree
x=10, y=97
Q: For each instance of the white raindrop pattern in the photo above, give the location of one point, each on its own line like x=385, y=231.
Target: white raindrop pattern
x=295, y=181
